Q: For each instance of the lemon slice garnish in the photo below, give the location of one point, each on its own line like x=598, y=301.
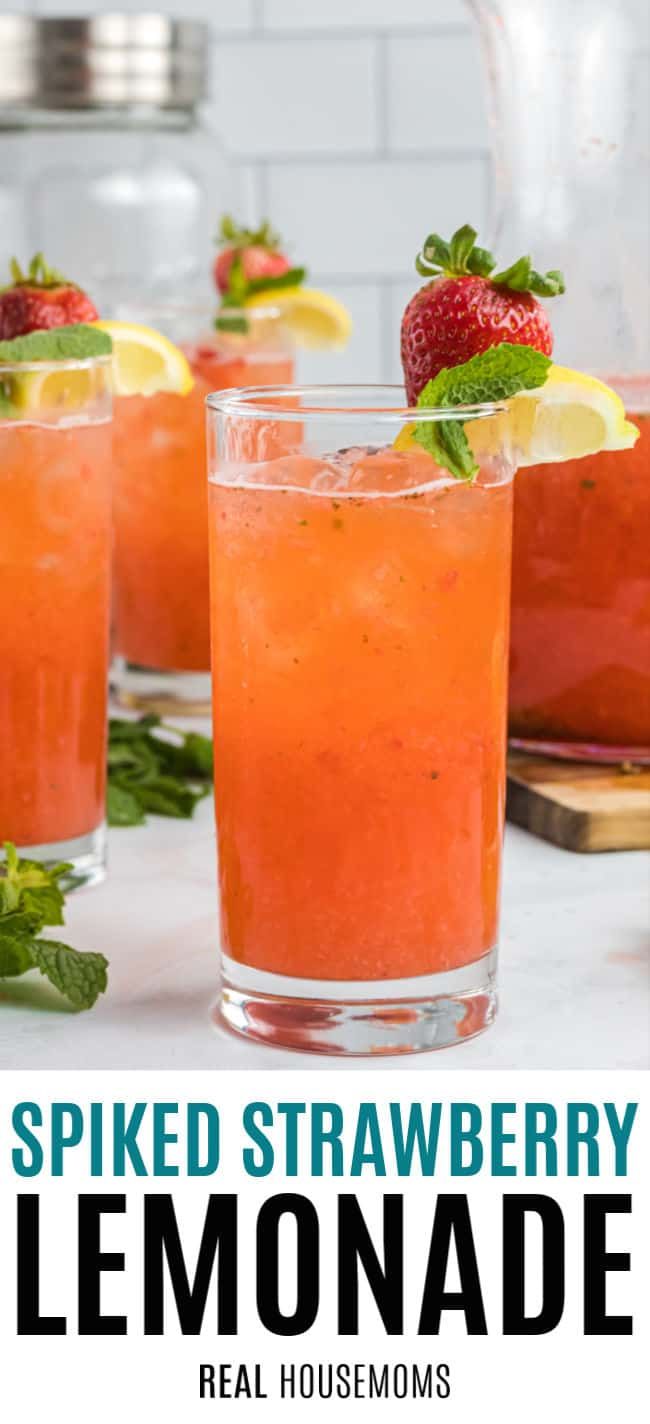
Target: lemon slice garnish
x=145, y=362
x=316, y=320
x=571, y=415
x=53, y=391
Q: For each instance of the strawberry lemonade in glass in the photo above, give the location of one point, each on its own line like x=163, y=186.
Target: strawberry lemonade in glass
x=162, y=634
x=55, y=549
x=359, y=607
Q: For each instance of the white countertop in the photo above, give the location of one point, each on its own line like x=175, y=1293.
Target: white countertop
x=574, y=966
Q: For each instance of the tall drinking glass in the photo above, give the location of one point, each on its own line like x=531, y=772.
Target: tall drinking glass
x=55, y=553
x=359, y=607
x=161, y=613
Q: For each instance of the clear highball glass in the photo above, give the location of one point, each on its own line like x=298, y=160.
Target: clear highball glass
x=55, y=557
x=359, y=616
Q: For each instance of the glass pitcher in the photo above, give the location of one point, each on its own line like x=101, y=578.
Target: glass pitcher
x=568, y=104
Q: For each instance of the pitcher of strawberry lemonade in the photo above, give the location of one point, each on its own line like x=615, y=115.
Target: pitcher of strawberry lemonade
x=568, y=105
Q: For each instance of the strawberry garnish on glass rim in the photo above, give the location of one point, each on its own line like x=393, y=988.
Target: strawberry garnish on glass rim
x=250, y=261
x=39, y=299
x=467, y=308
x=472, y=337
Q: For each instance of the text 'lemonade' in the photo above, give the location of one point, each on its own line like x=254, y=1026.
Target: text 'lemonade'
x=359, y=648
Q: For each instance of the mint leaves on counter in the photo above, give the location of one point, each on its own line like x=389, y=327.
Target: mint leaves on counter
x=30, y=898
x=494, y=375
x=60, y=343
x=155, y=768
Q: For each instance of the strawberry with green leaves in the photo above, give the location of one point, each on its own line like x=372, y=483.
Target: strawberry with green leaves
x=250, y=262
x=253, y=252
x=467, y=308
x=40, y=299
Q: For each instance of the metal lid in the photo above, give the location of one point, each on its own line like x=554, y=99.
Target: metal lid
x=108, y=61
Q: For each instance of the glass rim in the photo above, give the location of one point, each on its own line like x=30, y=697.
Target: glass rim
x=66, y=363
x=256, y=402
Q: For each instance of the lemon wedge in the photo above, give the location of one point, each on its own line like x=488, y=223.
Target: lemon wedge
x=53, y=391
x=145, y=362
x=571, y=415
x=317, y=320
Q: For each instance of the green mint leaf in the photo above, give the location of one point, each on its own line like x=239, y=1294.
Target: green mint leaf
x=30, y=897
x=46, y=901
x=121, y=729
x=16, y=935
x=292, y=278
x=155, y=768
x=80, y=977
x=199, y=755
x=168, y=797
x=447, y=442
x=28, y=885
x=62, y=343
x=494, y=375
x=122, y=806
x=232, y=323
x=137, y=762
x=193, y=758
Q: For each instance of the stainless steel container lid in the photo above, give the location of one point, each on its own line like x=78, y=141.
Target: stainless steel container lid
x=110, y=61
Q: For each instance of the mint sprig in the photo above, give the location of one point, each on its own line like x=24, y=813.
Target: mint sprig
x=154, y=768
x=78, y=342
x=240, y=288
x=31, y=898
x=494, y=375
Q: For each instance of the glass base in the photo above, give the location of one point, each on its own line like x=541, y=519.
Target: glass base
x=86, y=854
x=154, y=690
x=355, y=1018
x=596, y=752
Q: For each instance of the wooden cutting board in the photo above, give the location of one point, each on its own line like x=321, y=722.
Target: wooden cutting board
x=578, y=806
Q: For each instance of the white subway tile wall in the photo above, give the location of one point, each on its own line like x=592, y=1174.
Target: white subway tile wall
x=357, y=126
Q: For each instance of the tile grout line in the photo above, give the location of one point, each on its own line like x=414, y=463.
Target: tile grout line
x=257, y=18
x=262, y=187
x=261, y=31
x=372, y=157
x=382, y=96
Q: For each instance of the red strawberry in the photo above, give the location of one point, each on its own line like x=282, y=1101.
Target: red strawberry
x=40, y=300
x=465, y=309
x=255, y=262
x=257, y=252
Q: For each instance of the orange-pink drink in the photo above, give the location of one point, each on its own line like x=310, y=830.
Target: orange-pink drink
x=580, y=650
x=161, y=614
x=55, y=544
x=359, y=655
